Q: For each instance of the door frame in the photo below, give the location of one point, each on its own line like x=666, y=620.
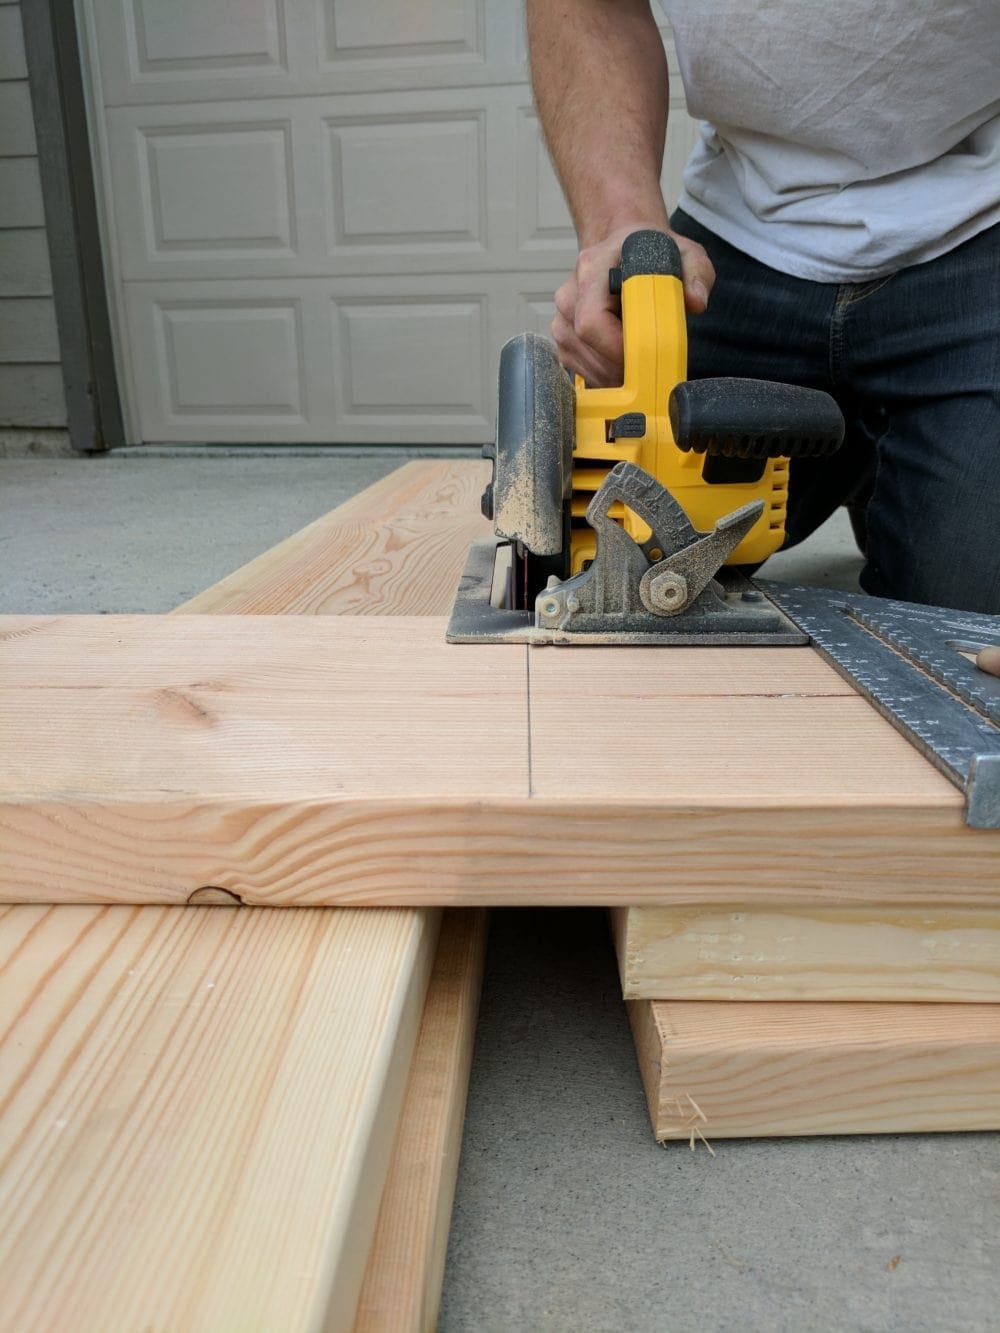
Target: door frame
x=93, y=401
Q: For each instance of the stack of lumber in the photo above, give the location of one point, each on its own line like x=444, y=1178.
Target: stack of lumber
x=793, y=1002
x=202, y=1107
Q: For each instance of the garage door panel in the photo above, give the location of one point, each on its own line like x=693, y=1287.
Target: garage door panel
x=334, y=186
x=376, y=360
x=217, y=189
x=226, y=35
x=177, y=51
x=544, y=224
x=211, y=189
x=399, y=360
x=157, y=52
x=404, y=183
x=399, y=30
x=223, y=361
x=233, y=359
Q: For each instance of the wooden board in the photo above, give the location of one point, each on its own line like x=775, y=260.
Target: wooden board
x=741, y=952
x=364, y=761
x=422, y=494
x=201, y=710
x=752, y=730
x=402, y=1284
x=757, y=1070
x=199, y=1110
x=396, y=549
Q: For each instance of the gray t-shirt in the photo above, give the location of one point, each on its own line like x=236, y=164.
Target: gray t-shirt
x=841, y=142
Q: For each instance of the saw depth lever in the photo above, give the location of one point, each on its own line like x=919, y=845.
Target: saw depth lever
x=638, y=585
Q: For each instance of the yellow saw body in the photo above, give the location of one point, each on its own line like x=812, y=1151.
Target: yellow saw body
x=654, y=330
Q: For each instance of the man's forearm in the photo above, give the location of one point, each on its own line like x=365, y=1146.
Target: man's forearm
x=600, y=78
x=599, y=74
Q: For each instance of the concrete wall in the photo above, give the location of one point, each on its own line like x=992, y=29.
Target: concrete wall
x=32, y=406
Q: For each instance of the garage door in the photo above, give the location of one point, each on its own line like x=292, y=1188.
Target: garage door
x=321, y=220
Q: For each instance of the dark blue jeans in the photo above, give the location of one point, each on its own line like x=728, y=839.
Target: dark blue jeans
x=913, y=360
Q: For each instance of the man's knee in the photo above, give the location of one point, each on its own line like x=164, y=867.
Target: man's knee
x=954, y=567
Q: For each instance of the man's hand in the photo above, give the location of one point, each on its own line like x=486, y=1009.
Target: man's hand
x=989, y=661
x=587, y=328
x=599, y=74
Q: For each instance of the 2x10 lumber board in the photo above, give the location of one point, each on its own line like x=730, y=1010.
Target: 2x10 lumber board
x=742, y=952
x=365, y=761
x=760, y=1070
x=199, y=1108
x=402, y=1286
x=397, y=548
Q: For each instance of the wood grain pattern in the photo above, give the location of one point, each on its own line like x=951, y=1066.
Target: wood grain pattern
x=386, y=711
x=395, y=549
x=717, y=727
x=397, y=773
x=759, y=1070
x=402, y=1285
x=741, y=952
x=471, y=852
x=283, y=580
x=654, y=675
x=196, y=1103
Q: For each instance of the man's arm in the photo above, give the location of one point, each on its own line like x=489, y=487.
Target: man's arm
x=599, y=74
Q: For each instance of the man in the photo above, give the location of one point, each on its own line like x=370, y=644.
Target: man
x=839, y=228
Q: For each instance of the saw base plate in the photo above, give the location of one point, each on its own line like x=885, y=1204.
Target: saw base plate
x=748, y=617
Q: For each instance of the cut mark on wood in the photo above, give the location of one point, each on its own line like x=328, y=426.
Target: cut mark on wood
x=349, y=755
x=212, y=896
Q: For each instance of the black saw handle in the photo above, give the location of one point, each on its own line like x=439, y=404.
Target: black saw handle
x=754, y=419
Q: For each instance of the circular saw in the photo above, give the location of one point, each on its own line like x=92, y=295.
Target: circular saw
x=622, y=514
